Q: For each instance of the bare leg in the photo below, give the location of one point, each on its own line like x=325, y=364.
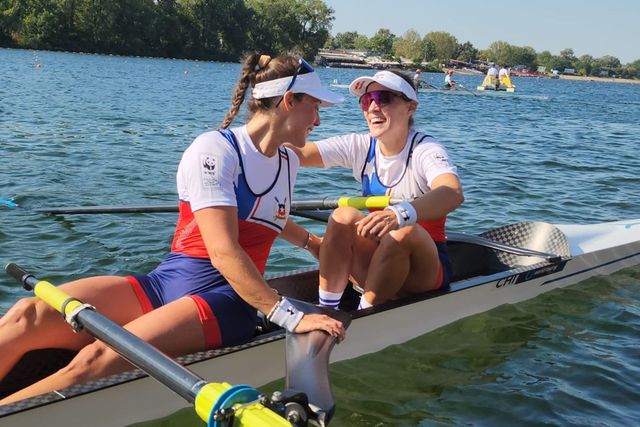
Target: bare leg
x=340, y=248
x=175, y=329
x=32, y=324
x=406, y=260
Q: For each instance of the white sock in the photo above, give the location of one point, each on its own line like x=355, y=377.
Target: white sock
x=330, y=299
x=364, y=303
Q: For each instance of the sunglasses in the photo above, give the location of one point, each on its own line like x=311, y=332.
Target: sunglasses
x=302, y=68
x=382, y=98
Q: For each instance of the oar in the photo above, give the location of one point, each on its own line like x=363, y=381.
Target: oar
x=429, y=85
x=468, y=90
x=211, y=400
x=360, y=202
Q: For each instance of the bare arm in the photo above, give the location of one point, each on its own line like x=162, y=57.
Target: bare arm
x=298, y=236
x=309, y=154
x=445, y=196
x=219, y=229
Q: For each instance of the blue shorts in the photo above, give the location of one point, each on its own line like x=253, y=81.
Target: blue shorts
x=446, y=269
x=226, y=318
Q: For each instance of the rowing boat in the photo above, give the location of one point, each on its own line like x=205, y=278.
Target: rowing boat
x=506, y=265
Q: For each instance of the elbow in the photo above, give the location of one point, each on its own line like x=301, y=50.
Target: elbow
x=456, y=198
x=460, y=198
x=219, y=257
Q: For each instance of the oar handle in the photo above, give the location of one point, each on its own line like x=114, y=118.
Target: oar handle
x=367, y=202
x=358, y=202
x=206, y=397
x=28, y=281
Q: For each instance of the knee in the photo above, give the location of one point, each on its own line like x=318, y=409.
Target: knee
x=403, y=237
x=24, y=314
x=345, y=216
x=90, y=363
x=342, y=223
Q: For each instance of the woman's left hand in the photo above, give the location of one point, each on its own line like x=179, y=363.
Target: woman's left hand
x=375, y=225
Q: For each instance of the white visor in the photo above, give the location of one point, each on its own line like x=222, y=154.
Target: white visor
x=308, y=83
x=390, y=80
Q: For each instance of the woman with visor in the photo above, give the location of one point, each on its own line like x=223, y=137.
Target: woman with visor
x=401, y=249
x=234, y=188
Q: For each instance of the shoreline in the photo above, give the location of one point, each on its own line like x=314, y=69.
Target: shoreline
x=599, y=79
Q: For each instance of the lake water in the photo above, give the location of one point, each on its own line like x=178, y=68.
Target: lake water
x=104, y=130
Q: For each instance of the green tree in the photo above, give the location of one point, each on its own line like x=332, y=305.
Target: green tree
x=382, y=42
x=525, y=56
x=232, y=32
x=409, y=46
x=606, y=65
x=281, y=26
x=568, y=54
x=116, y=26
x=346, y=40
x=169, y=29
x=361, y=42
x=501, y=53
x=584, y=65
x=632, y=70
x=545, y=59
x=445, y=45
x=34, y=23
x=429, y=50
x=467, y=52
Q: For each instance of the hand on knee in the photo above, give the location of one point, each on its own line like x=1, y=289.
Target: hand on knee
x=23, y=314
x=92, y=362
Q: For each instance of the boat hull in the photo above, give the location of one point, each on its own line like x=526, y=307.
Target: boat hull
x=133, y=397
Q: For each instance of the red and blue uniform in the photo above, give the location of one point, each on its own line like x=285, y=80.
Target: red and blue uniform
x=406, y=175
x=221, y=168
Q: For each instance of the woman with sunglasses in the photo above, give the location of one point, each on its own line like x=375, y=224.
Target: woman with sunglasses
x=234, y=188
x=401, y=249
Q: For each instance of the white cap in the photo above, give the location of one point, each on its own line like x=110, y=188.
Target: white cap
x=308, y=83
x=390, y=80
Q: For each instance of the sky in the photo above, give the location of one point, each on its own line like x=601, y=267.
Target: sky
x=591, y=27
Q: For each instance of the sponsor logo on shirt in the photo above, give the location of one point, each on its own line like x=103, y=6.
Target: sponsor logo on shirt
x=209, y=170
x=281, y=212
x=440, y=159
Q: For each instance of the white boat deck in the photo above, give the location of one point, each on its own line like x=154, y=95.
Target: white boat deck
x=594, y=237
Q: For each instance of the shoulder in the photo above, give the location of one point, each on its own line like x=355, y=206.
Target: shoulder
x=211, y=141
x=208, y=148
x=290, y=155
x=428, y=145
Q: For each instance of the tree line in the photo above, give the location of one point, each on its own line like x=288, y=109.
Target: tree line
x=439, y=47
x=224, y=29
x=192, y=29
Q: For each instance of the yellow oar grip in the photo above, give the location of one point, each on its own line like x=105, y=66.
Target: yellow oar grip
x=55, y=297
x=252, y=415
x=365, y=202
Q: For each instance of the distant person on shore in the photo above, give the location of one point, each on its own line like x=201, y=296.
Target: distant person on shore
x=448, y=80
x=234, y=188
x=401, y=249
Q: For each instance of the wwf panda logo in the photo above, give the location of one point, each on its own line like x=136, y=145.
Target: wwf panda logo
x=209, y=170
x=209, y=163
